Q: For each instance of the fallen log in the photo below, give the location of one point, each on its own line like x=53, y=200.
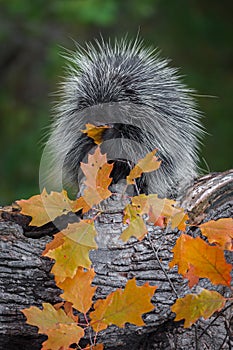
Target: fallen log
x=25, y=277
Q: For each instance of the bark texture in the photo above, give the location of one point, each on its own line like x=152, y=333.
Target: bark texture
x=25, y=277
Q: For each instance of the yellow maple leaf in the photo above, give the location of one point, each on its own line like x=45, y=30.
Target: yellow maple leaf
x=123, y=306
x=47, y=318
x=136, y=228
x=95, y=132
x=61, y=329
x=147, y=164
x=79, y=239
x=45, y=207
x=194, y=306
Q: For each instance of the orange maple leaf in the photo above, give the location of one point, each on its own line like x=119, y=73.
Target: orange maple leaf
x=191, y=277
x=78, y=290
x=194, y=306
x=62, y=337
x=97, y=172
x=45, y=207
x=207, y=261
x=160, y=210
x=147, y=164
x=123, y=306
x=79, y=239
x=95, y=132
x=70, y=311
x=219, y=232
x=94, y=347
x=136, y=228
x=80, y=203
x=56, y=242
x=61, y=329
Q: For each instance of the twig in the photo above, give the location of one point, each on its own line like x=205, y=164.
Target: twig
x=157, y=258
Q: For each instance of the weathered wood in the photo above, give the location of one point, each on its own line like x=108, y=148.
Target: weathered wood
x=25, y=279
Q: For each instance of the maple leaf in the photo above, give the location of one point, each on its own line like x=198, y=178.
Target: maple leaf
x=136, y=228
x=56, y=242
x=78, y=290
x=47, y=318
x=191, y=277
x=82, y=204
x=62, y=337
x=207, y=261
x=45, y=207
x=69, y=311
x=97, y=172
x=147, y=164
x=61, y=329
x=98, y=347
x=219, y=232
x=194, y=306
x=94, y=347
x=95, y=132
x=178, y=219
x=79, y=239
x=123, y=306
x=160, y=210
x=155, y=218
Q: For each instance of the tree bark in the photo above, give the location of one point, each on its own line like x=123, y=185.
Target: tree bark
x=25, y=277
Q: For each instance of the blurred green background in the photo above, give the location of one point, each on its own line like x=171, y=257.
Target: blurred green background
x=197, y=35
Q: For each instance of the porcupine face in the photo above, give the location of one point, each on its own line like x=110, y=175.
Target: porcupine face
x=129, y=88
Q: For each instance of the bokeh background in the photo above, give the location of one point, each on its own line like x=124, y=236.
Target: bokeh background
x=197, y=35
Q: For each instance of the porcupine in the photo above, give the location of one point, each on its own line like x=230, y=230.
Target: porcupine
x=135, y=92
